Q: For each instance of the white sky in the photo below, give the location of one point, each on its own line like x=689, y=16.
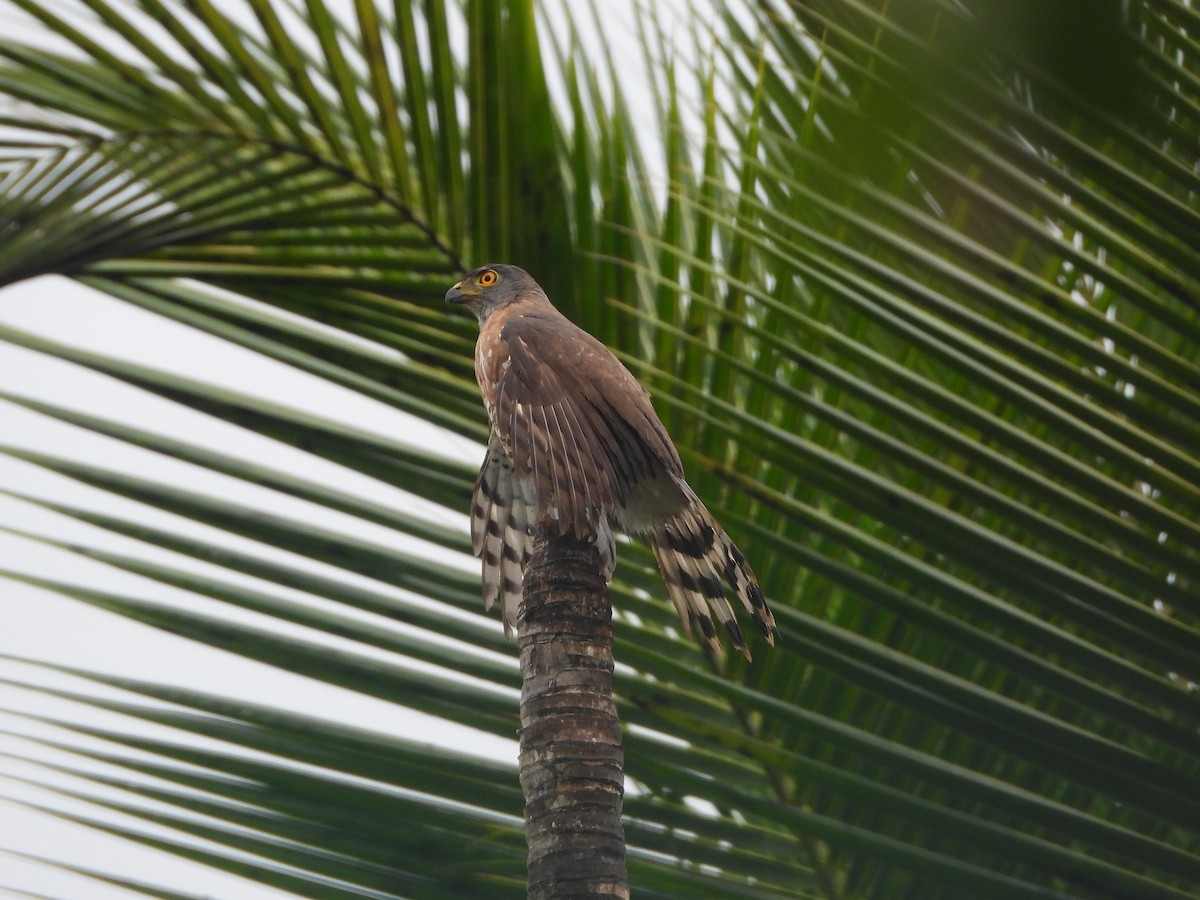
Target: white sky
x=46, y=626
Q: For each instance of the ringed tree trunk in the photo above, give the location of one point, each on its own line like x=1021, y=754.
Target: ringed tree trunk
x=571, y=760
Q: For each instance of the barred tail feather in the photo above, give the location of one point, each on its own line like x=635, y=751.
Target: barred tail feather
x=518, y=545
x=694, y=554
x=491, y=553
x=689, y=603
x=511, y=577
x=500, y=535
x=745, y=585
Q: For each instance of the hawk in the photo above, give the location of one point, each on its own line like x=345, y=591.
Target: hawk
x=576, y=449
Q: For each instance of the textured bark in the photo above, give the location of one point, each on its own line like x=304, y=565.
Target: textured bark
x=571, y=755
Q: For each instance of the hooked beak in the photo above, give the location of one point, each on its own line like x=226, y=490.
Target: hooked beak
x=457, y=295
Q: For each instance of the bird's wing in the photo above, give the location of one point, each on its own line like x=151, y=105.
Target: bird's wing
x=576, y=441
x=574, y=422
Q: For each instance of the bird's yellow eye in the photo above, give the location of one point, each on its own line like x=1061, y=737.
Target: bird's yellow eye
x=488, y=278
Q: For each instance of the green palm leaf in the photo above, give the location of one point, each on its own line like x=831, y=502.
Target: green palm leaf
x=916, y=299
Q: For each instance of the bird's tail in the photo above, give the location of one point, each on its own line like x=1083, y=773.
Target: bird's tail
x=503, y=511
x=694, y=555
x=500, y=518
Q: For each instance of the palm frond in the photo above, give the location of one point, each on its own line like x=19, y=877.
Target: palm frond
x=916, y=300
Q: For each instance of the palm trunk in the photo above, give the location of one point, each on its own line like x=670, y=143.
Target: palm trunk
x=571, y=755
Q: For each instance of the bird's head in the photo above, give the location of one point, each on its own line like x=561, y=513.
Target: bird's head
x=491, y=287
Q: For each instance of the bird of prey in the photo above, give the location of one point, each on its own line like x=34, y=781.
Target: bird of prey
x=576, y=449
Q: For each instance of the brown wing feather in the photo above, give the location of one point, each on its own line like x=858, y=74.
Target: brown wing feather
x=574, y=420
